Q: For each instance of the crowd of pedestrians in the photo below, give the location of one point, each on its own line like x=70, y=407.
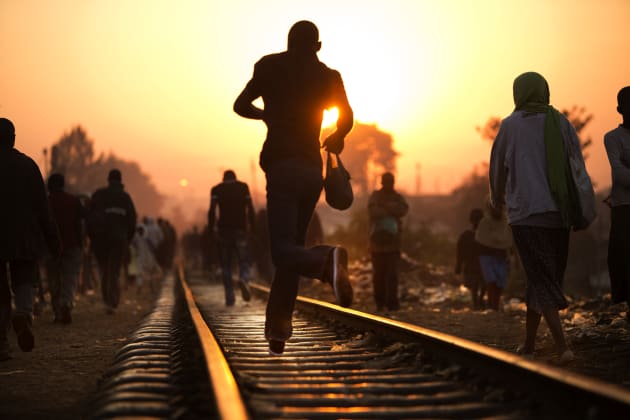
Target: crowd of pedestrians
x=49, y=237
x=534, y=202
x=539, y=192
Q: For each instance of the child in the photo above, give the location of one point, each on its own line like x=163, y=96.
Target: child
x=617, y=144
x=495, y=238
x=468, y=261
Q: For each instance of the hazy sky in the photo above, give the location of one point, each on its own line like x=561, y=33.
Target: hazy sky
x=154, y=80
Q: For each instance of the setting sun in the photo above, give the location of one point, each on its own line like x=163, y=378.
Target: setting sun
x=330, y=117
x=157, y=87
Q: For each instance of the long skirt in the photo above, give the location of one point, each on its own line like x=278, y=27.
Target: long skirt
x=544, y=253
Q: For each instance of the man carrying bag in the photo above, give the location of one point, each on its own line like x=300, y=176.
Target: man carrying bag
x=296, y=88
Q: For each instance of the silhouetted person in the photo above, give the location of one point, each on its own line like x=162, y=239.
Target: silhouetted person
x=529, y=176
x=27, y=231
x=166, y=249
x=143, y=266
x=467, y=260
x=112, y=224
x=617, y=144
x=63, y=272
x=236, y=218
x=386, y=207
x=87, y=275
x=495, y=239
x=153, y=233
x=296, y=88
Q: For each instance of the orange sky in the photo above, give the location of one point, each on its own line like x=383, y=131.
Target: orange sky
x=154, y=80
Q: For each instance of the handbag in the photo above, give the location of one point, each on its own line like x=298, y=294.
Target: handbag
x=494, y=233
x=337, y=185
x=584, y=190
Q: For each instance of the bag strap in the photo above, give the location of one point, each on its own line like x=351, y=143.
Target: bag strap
x=332, y=160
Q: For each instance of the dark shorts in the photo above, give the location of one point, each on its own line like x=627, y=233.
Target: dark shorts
x=495, y=269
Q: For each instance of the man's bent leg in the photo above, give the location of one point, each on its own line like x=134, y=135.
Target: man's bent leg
x=292, y=193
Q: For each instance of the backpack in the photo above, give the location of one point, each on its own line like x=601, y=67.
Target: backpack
x=384, y=230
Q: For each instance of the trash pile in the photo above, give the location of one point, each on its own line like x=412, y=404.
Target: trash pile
x=432, y=297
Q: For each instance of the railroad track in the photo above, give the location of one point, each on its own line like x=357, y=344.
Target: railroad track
x=342, y=363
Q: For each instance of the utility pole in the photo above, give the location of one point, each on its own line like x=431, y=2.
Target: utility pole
x=45, y=152
x=253, y=171
x=418, y=180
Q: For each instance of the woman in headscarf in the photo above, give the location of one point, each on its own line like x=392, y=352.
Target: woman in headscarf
x=530, y=175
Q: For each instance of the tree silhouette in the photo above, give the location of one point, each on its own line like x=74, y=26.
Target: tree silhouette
x=579, y=118
x=367, y=154
x=73, y=156
x=490, y=129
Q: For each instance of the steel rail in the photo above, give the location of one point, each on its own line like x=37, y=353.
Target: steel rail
x=589, y=395
x=227, y=394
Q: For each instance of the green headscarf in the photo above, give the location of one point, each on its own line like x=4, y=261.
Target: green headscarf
x=531, y=94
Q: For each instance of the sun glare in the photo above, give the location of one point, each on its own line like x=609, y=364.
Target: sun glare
x=330, y=117
x=183, y=182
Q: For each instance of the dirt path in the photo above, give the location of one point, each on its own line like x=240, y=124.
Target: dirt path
x=55, y=380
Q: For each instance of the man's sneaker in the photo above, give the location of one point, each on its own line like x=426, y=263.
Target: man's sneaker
x=22, y=328
x=245, y=292
x=337, y=276
x=276, y=347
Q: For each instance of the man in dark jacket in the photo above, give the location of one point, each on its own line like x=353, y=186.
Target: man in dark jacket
x=63, y=273
x=111, y=226
x=27, y=229
x=386, y=207
x=296, y=88
x=236, y=219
